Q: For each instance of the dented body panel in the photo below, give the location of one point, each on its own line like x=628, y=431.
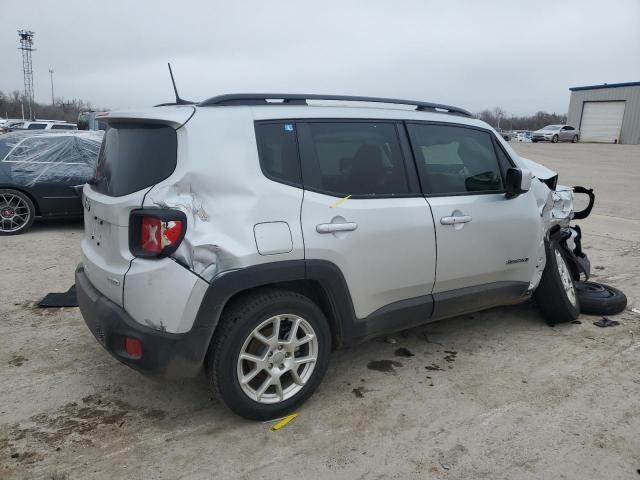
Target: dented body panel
x=238, y=218
x=227, y=199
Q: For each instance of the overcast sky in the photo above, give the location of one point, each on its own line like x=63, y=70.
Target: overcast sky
x=474, y=54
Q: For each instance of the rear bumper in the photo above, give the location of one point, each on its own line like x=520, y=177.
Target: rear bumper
x=165, y=355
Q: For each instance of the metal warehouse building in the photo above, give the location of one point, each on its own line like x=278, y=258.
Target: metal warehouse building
x=607, y=113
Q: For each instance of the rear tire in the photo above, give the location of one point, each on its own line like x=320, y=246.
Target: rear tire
x=17, y=212
x=574, y=139
x=275, y=374
x=556, y=294
x=534, y=141
x=600, y=299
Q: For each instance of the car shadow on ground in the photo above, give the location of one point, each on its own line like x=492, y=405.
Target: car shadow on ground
x=465, y=334
x=66, y=224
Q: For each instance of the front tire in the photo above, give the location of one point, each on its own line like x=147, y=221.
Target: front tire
x=269, y=354
x=554, y=139
x=17, y=212
x=556, y=294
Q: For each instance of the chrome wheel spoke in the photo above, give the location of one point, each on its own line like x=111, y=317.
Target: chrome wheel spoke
x=303, y=360
x=251, y=375
x=306, y=339
x=279, y=391
x=296, y=377
x=263, y=388
x=276, y=328
x=294, y=330
x=261, y=338
x=252, y=358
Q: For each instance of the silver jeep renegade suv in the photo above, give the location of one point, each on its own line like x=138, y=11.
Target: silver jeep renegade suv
x=252, y=234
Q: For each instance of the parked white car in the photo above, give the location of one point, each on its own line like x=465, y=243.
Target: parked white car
x=43, y=125
x=556, y=133
x=251, y=236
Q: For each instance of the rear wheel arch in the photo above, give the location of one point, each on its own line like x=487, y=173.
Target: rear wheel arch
x=319, y=280
x=312, y=289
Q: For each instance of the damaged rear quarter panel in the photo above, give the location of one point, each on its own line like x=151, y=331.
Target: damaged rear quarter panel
x=217, y=162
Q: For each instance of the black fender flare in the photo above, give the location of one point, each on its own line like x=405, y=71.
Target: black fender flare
x=326, y=274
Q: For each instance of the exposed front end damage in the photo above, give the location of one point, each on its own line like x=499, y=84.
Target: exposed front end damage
x=556, y=206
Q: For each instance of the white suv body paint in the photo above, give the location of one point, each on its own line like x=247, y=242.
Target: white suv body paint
x=399, y=248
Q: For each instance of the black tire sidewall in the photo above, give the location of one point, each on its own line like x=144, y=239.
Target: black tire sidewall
x=602, y=305
x=229, y=350
x=30, y=205
x=550, y=294
x=554, y=139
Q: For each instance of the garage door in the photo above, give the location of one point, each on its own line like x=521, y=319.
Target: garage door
x=601, y=121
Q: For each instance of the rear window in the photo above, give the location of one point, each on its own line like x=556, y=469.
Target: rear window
x=134, y=157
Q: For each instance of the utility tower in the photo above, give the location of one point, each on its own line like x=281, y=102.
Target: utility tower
x=26, y=45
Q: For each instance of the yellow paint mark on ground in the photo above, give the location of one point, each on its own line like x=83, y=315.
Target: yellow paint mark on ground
x=340, y=202
x=283, y=422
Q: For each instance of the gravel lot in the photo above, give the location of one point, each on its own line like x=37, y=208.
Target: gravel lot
x=497, y=394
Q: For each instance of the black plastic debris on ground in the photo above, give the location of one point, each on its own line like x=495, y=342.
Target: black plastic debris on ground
x=605, y=322
x=57, y=300
x=403, y=352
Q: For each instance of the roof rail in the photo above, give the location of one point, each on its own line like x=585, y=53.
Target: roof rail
x=236, y=99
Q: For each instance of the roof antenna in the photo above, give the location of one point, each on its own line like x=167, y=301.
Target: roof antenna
x=179, y=101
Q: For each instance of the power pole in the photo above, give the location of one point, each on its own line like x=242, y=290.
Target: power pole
x=53, y=102
x=26, y=45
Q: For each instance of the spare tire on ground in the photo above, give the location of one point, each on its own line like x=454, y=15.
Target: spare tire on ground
x=600, y=299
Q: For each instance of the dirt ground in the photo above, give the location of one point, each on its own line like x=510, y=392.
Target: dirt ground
x=496, y=395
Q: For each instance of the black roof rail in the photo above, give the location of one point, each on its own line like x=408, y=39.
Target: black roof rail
x=236, y=99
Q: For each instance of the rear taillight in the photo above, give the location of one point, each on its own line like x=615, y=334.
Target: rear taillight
x=133, y=347
x=155, y=233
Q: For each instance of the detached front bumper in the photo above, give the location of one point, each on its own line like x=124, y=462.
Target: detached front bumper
x=166, y=355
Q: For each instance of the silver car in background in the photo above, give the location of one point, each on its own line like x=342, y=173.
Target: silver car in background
x=556, y=133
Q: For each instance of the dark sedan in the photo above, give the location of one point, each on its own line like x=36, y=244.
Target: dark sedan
x=38, y=173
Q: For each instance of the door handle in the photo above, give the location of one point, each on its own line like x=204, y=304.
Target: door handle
x=336, y=227
x=455, y=220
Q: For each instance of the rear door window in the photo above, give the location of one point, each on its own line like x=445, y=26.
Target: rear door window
x=456, y=160
x=363, y=159
x=278, y=151
x=37, y=126
x=134, y=157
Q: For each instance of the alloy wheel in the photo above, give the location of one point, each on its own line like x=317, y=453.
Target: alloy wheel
x=277, y=359
x=14, y=213
x=565, y=277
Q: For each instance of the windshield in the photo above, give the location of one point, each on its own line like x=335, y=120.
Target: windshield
x=552, y=127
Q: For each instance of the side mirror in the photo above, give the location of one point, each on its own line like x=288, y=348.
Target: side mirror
x=518, y=181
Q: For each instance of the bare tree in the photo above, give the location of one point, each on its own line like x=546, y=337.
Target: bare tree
x=531, y=122
x=11, y=107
